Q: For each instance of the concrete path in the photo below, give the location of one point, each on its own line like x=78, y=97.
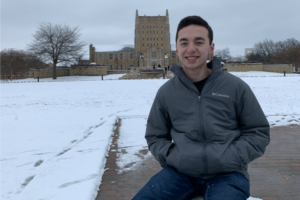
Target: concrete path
x=275, y=176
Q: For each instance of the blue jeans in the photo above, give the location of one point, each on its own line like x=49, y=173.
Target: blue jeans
x=169, y=184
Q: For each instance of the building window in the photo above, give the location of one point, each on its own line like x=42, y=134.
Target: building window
x=121, y=56
x=147, y=45
x=161, y=26
x=120, y=66
x=157, y=44
x=162, y=44
x=161, y=31
x=173, y=55
x=154, y=39
x=147, y=32
x=153, y=54
x=150, y=32
x=143, y=44
x=110, y=56
x=157, y=32
x=110, y=67
x=166, y=61
x=157, y=39
x=100, y=56
x=151, y=39
x=143, y=39
x=131, y=55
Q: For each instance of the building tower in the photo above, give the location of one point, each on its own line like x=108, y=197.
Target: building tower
x=152, y=40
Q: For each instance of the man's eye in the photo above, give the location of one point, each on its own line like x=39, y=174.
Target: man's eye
x=183, y=43
x=199, y=42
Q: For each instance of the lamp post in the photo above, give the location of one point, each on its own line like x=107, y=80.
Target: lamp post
x=142, y=58
x=166, y=57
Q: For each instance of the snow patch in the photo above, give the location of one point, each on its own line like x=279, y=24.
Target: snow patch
x=75, y=119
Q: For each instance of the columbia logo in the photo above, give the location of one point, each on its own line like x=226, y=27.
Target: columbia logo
x=220, y=95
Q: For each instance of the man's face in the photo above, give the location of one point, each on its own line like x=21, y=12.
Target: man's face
x=193, y=46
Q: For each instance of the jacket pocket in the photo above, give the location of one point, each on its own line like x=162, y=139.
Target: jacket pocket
x=173, y=157
x=228, y=161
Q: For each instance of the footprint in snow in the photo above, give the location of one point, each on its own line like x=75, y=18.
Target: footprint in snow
x=64, y=151
x=78, y=181
x=38, y=163
x=27, y=180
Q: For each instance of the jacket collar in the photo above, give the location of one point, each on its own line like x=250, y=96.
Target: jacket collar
x=214, y=65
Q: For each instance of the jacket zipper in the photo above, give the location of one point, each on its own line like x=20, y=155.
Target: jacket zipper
x=204, y=148
x=204, y=137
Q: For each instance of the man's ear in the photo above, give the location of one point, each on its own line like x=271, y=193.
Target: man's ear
x=212, y=48
x=176, y=50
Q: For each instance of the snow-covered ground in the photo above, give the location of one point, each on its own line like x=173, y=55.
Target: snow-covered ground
x=262, y=74
x=132, y=144
x=67, y=79
x=55, y=135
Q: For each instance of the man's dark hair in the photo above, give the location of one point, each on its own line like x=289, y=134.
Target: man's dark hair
x=195, y=20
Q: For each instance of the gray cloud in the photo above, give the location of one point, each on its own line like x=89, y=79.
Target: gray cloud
x=236, y=24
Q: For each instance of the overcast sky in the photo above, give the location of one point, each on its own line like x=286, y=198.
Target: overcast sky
x=237, y=24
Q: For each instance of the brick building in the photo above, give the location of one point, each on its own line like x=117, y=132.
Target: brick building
x=151, y=46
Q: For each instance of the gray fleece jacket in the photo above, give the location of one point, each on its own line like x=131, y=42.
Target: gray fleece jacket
x=217, y=132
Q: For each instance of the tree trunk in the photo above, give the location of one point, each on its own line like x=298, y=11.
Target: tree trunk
x=10, y=74
x=54, y=70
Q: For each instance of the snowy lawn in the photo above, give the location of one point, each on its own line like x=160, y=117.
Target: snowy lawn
x=55, y=135
x=262, y=74
x=67, y=78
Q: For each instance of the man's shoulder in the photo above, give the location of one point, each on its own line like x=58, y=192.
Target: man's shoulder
x=234, y=80
x=166, y=87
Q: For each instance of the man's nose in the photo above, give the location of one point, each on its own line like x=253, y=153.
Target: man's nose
x=191, y=48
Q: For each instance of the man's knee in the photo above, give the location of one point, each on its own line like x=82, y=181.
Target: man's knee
x=230, y=186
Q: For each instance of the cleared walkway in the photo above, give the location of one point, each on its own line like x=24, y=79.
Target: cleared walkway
x=275, y=176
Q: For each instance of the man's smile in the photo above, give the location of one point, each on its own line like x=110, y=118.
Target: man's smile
x=192, y=58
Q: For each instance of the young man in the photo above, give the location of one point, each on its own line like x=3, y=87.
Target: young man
x=204, y=127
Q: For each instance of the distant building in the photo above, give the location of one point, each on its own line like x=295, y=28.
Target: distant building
x=152, y=46
x=83, y=62
x=248, y=51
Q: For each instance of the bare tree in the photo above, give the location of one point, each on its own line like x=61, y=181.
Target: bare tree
x=254, y=57
x=291, y=43
x=79, y=58
x=59, y=43
x=240, y=58
x=223, y=54
x=269, y=51
x=289, y=56
x=33, y=61
x=11, y=62
x=15, y=64
x=265, y=49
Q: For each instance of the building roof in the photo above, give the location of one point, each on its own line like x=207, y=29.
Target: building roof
x=112, y=48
